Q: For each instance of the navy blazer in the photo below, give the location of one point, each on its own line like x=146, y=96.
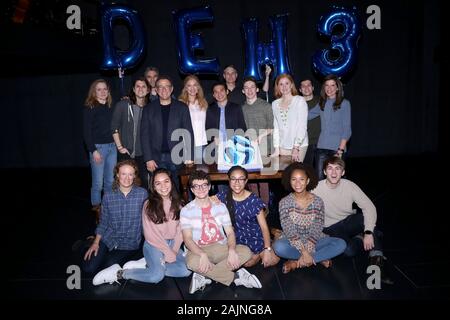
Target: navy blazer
x=234, y=117
x=151, y=129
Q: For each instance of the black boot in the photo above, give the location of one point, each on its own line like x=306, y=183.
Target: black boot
x=379, y=261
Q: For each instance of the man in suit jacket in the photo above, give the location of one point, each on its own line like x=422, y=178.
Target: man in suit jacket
x=160, y=119
x=224, y=116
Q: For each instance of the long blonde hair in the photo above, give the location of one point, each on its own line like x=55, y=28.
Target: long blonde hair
x=184, y=96
x=277, y=92
x=91, y=100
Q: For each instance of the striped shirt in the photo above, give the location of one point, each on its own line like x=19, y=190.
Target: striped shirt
x=302, y=226
x=191, y=218
x=121, y=219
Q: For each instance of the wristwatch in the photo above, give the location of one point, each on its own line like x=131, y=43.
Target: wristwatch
x=368, y=232
x=268, y=248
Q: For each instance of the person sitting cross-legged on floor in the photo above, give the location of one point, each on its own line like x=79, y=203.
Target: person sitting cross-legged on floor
x=302, y=218
x=247, y=213
x=162, y=253
x=212, y=254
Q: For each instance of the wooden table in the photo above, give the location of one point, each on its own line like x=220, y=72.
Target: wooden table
x=271, y=171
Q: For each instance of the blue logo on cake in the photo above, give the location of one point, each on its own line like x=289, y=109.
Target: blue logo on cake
x=238, y=151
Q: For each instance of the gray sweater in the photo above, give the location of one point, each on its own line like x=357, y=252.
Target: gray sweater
x=335, y=124
x=259, y=116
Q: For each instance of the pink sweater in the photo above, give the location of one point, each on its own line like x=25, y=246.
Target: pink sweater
x=157, y=234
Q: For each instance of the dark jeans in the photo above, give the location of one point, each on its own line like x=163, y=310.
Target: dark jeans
x=143, y=173
x=311, y=155
x=348, y=230
x=166, y=163
x=106, y=258
x=321, y=155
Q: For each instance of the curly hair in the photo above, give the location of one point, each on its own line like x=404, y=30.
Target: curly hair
x=199, y=175
x=307, y=169
x=131, y=163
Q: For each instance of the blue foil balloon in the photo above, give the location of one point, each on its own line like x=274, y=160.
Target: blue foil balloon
x=188, y=42
x=114, y=58
x=344, y=43
x=238, y=151
x=258, y=54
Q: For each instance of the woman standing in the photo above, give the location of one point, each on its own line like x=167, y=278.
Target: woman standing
x=163, y=238
x=126, y=126
x=302, y=219
x=99, y=141
x=335, y=122
x=192, y=95
x=119, y=233
x=290, y=120
x=247, y=213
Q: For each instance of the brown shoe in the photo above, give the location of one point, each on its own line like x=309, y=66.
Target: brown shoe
x=289, y=265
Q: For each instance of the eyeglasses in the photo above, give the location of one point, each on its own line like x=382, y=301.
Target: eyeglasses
x=200, y=186
x=240, y=180
x=163, y=87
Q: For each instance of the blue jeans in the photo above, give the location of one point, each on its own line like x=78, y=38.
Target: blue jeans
x=103, y=172
x=157, y=268
x=326, y=248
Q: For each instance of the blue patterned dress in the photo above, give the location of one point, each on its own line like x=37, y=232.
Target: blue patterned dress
x=247, y=229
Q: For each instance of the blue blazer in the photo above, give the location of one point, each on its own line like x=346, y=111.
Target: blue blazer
x=152, y=128
x=234, y=117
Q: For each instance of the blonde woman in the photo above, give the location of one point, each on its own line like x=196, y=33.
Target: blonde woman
x=290, y=113
x=192, y=95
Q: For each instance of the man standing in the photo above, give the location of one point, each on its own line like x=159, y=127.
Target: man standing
x=212, y=253
x=234, y=93
x=160, y=119
x=356, y=227
x=224, y=115
x=151, y=74
x=307, y=90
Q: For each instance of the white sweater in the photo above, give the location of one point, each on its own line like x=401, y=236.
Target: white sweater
x=338, y=203
x=291, y=131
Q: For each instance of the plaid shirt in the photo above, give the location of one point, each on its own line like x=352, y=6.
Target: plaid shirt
x=121, y=219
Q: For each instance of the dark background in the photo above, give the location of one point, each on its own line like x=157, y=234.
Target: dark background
x=396, y=90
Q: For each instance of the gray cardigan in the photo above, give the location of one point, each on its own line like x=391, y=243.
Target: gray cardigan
x=123, y=123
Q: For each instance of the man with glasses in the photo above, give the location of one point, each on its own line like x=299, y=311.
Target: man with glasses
x=209, y=237
x=166, y=124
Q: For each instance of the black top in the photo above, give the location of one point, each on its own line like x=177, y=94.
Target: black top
x=165, y=111
x=97, y=126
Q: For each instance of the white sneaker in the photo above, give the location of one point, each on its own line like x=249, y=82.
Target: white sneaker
x=135, y=264
x=198, y=282
x=108, y=275
x=247, y=279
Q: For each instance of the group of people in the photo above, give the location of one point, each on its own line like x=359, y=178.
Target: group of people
x=223, y=233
